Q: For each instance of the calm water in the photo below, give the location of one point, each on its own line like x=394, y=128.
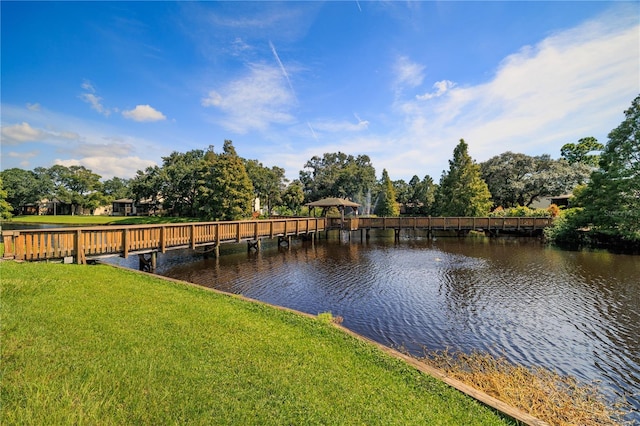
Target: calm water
x=576, y=312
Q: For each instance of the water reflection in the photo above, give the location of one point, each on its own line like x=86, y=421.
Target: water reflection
x=576, y=312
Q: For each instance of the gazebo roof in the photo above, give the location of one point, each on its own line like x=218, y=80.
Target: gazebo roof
x=333, y=202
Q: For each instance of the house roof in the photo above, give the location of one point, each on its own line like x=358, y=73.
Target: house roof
x=333, y=202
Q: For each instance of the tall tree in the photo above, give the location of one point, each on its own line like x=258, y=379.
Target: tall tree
x=116, y=188
x=422, y=197
x=293, y=197
x=462, y=191
x=582, y=152
x=148, y=186
x=338, y=175
x=229, y=193
x=5, y=207
x=268, y=183
x=612, y=199
x=386, y=204
x=518, y=180
x=24, y=187
x=403, y=191
x=76, y=185
x=184, y=180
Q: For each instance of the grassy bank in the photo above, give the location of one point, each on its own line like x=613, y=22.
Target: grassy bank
x=97, y=220
x=97, y=345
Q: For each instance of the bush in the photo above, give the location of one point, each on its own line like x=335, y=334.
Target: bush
x=521, y=211
x=568, y=229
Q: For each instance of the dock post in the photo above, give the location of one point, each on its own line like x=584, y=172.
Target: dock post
x=255, y=245
x=147, y=265
x=209, y=249
x=284, y=241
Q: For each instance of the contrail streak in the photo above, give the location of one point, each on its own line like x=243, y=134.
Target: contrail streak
x=312, y=132
x=282, y=68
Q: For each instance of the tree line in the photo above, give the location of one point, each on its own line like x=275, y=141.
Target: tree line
x=223, y=186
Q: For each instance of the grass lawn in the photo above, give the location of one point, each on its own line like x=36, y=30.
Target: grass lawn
x=98, y=220
x=99, y=345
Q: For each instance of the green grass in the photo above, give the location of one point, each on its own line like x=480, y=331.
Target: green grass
x=98, y=220
x=99, y=345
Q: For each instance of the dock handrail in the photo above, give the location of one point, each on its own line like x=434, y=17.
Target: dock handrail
x=112, y=240
x=100, y=241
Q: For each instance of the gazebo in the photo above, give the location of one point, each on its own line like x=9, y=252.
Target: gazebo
x=327, y=203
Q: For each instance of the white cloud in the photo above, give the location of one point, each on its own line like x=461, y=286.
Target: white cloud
x=21, y=133
x=340, y=126
x=96, y=103
x=255, y=101
x=86, y=85
x=108, y=166
x=407, y=74
x=239, y=47
x=24, y=133
x=33, y=107
x=24, y=158
x=144, y=113
x=114, y=149
x=441, y=87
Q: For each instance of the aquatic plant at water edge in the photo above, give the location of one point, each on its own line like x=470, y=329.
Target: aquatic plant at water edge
x=557, y=399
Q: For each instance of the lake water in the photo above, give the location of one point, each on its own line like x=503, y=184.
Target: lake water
x=575, y=312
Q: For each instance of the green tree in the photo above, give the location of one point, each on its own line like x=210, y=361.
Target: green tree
x=386, y=204
x=423, y=196
x=24, y=187
x=403, y=191
x=462, y=192
x=518, y=180
x=293, y=197
x=5, y=207
x=338, y=175
x=116, y=188
x=148, y=186
x=268, y=183
x=75, y=185
x=582, y=152
x=229, y=193
x=184, y=175
x=612, y=198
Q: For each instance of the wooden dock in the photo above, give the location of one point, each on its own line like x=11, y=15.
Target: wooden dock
x=93, y=242
x=453, y=223
x=78, y=244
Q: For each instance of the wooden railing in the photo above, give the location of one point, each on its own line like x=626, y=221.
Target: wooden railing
x=100, y=241
x=456, y=223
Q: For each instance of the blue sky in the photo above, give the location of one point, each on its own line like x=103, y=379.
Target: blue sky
x=115, y=86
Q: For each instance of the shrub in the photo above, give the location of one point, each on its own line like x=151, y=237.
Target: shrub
x=520, y=211
x=568, y=229
x=554, y=210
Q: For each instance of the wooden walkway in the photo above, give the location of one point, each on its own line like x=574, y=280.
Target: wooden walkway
x=83, y=243
x=451, y=223
x=102, y=241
